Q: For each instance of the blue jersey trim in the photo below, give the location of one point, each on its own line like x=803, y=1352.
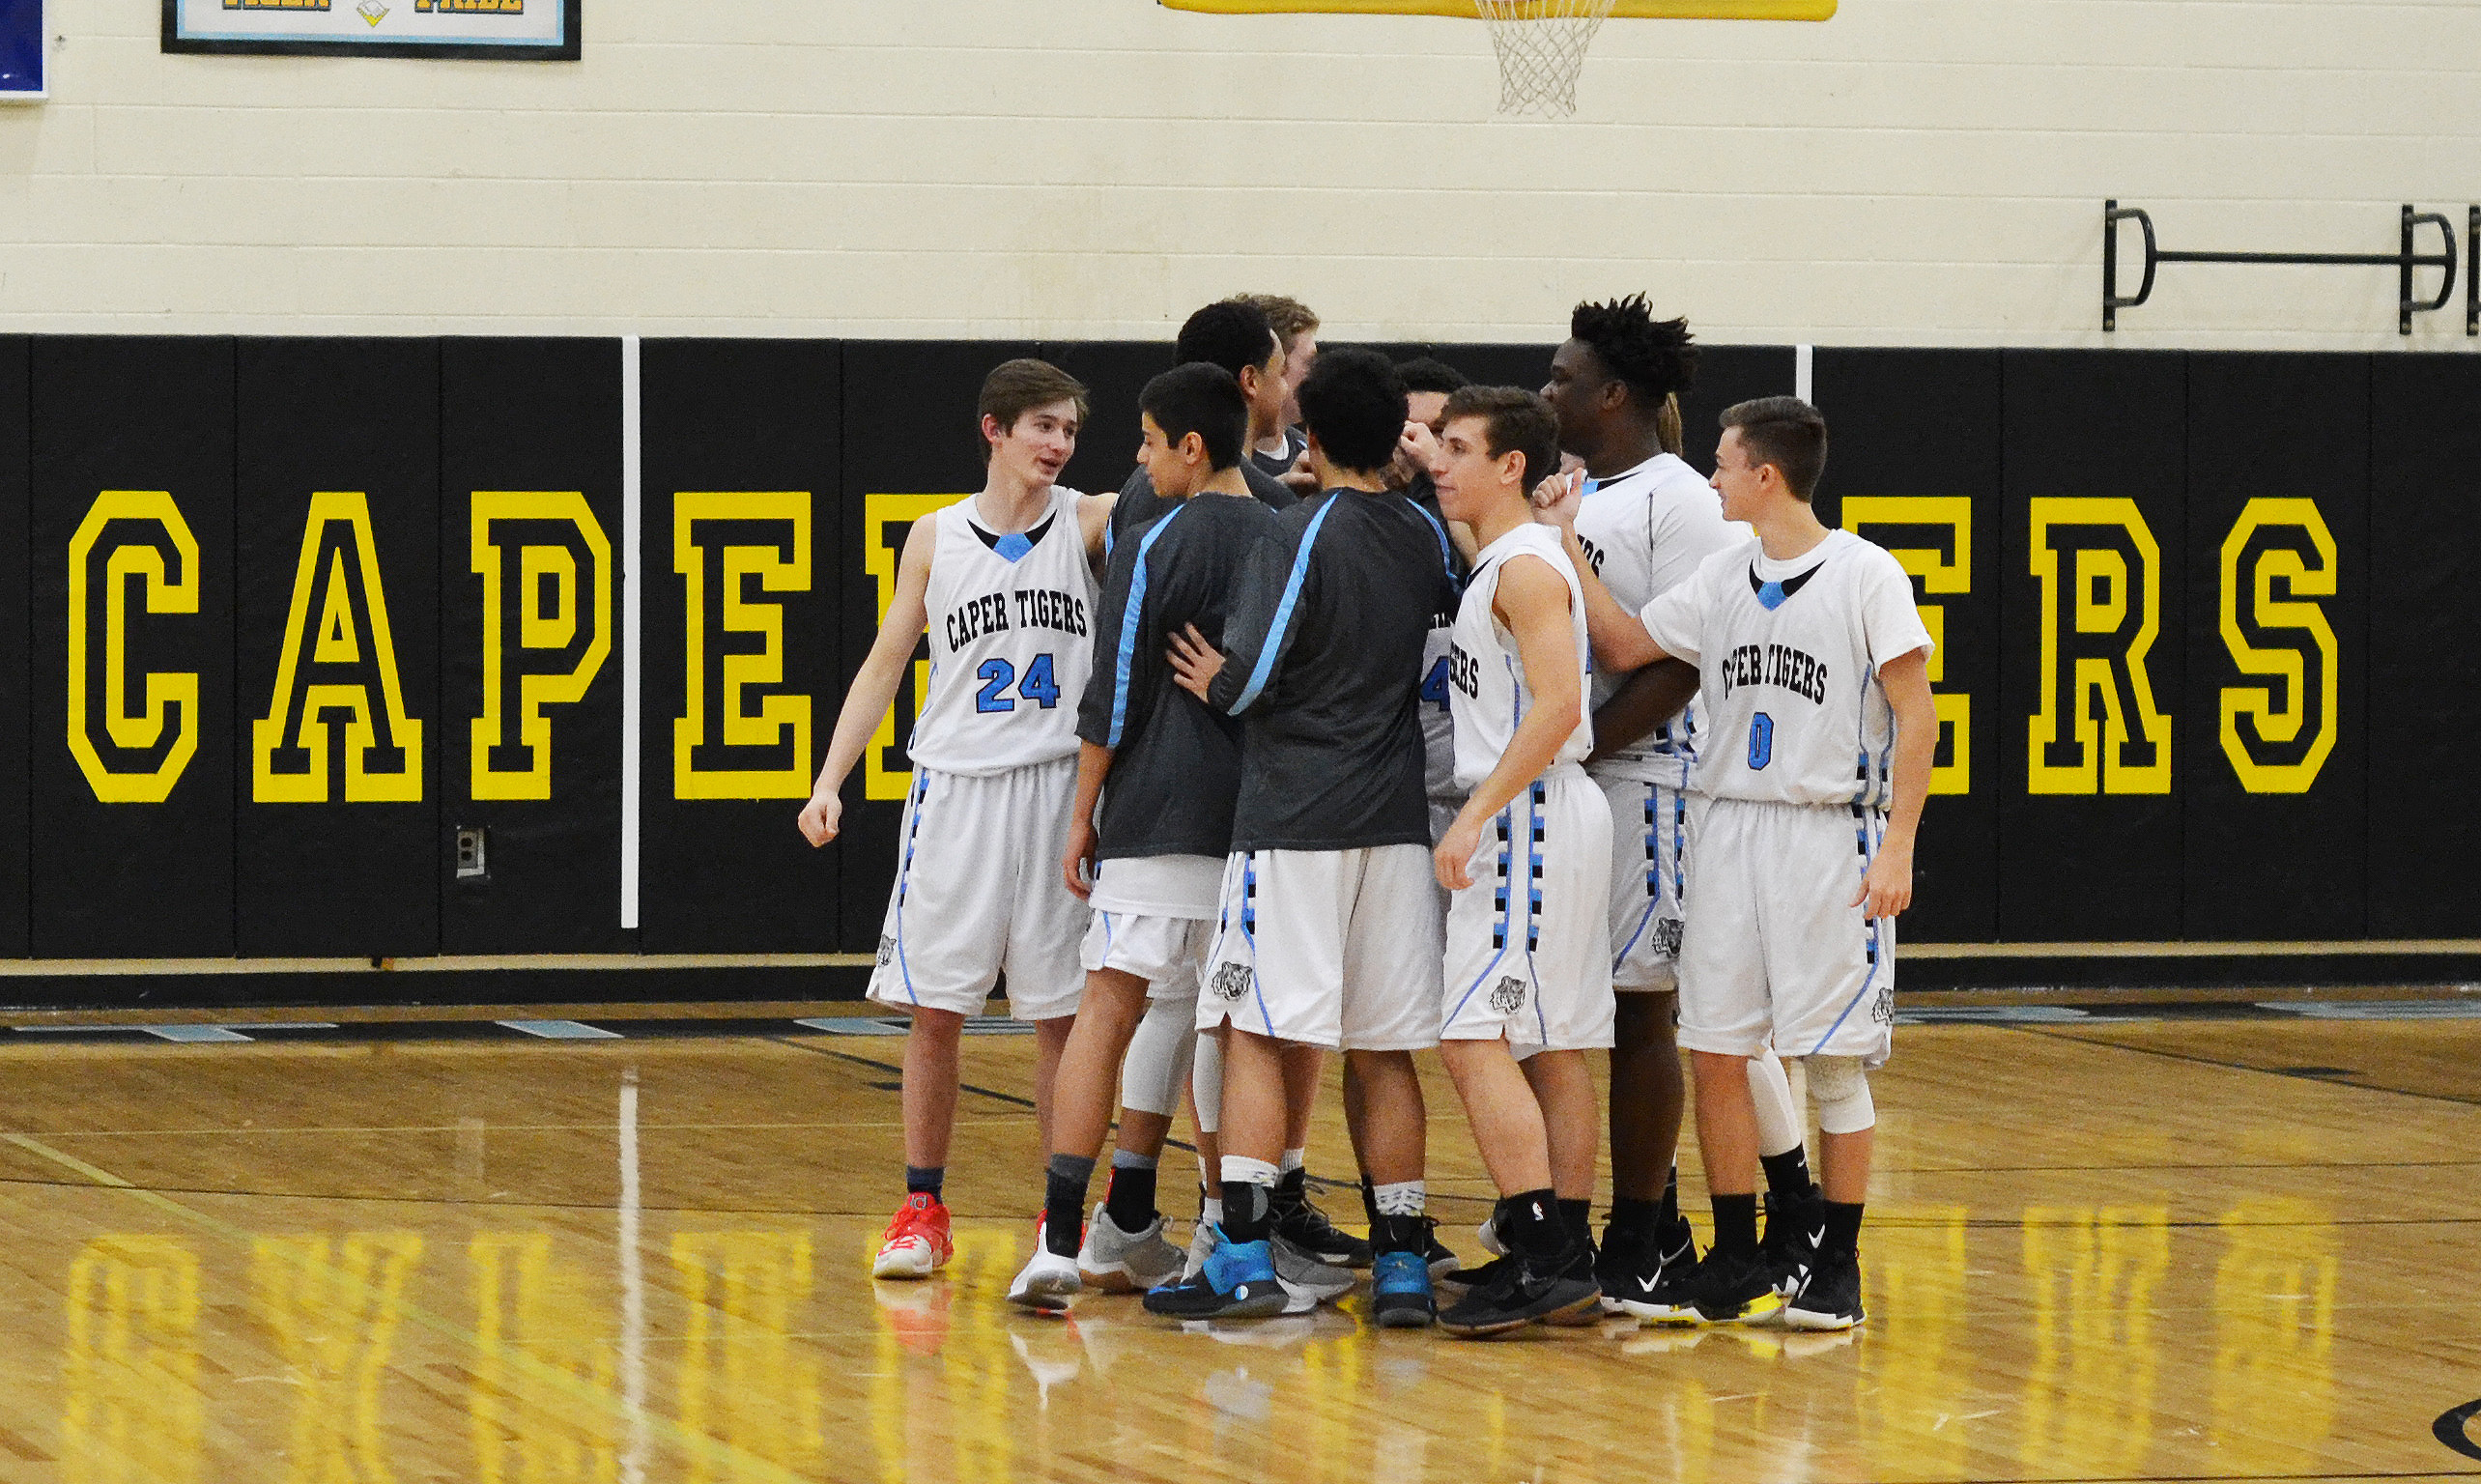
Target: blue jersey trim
x=1446, y=553
x=1274, y=643
x=1129, y=624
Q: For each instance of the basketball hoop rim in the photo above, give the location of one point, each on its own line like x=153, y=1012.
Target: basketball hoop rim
x=1464, y=9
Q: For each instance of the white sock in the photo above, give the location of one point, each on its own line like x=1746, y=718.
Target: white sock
x=1293, y=1159
x=1211, y=1210
x=1241, y=1170
x=1403, y=1198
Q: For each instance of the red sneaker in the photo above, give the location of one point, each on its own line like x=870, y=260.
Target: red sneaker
x=917, y=1244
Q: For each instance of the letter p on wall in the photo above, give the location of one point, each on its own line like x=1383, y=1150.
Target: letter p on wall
x=546, y=569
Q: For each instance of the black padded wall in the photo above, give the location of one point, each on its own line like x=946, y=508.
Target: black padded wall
x=529, y=470
x=2093, y=612
x=336, y=727
x=742, y=499
x=133, y=536
x=1913, y=463
x=15, y=684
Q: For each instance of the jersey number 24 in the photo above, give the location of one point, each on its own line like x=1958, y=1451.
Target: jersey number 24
x=998, y=674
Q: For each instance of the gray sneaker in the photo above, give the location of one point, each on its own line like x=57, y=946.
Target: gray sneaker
x=1204, y=1239
x=1118, y=1261
x=1306, y=1278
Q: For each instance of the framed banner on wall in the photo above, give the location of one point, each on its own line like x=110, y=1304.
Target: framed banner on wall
x=536, y=29
x=21, y=52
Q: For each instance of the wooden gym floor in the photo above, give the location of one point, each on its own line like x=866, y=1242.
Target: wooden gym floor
x=2208, y=1248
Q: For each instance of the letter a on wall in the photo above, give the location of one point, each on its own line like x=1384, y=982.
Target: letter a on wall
x=132, y=734
x=336, y=730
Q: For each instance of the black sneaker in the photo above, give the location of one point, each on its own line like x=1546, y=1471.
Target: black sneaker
x=1526, y=1290
x=1734, y=1287
x=1583, y=1264
x=1307, y=1228
x=1830, y=1294
x=1795, y=1227
x=1647, y=1275
x=1443, y=1264
x=1483, y=1277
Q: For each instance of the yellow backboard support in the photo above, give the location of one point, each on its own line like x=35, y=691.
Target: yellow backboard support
x=1635, y=10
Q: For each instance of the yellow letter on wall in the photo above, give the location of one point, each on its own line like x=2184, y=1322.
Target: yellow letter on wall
x=2098, y=730
x=546, y=569
x=338, y=711
x=1943, y=569
x=129, y=755
x=2278, y=733
x=745, y=734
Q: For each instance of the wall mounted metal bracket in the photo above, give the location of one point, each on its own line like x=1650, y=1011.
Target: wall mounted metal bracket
x=2404, y=260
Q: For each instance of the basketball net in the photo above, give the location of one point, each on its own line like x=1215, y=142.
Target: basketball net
x=1541, y=47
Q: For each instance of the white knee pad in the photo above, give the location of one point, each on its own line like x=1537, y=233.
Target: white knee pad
x=1205, y=1082
x=1158, y=1064
x=1779, y=1124
x=1840, y=1089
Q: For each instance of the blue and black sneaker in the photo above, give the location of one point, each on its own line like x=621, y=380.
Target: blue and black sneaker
x=1399, y=1294
x=1238, y=1281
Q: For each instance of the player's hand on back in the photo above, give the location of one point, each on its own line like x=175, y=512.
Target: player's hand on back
x=1887, y=887
x=1195, y=663
x=822, y=817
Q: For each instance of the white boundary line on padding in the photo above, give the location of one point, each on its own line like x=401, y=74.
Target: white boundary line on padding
x=632, y=508
x=1803, y=359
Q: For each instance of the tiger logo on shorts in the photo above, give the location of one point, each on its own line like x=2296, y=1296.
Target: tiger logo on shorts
x=1231, y=980
x=886, y=952
x=1882, y=1008
x=1666, y=937
x=1507, y=997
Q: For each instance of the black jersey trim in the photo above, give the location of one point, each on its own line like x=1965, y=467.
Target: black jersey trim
x=1032, y=538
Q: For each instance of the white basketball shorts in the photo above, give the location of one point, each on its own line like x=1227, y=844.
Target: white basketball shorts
x=1649, y=839
x=1529, y=944
x=978, y=895
x=1776, y=955
x=1153, y=918
x=1329, y=948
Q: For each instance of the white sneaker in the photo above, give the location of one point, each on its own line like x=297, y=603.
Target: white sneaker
x=1048, y=1281
x=1118, y=1261
x=1204, y=1239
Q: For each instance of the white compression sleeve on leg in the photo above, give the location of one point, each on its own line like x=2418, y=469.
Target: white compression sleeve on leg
x=1157, y=1063
x=1779, y=1124
x=1205, y=1080
x=1843, y=1093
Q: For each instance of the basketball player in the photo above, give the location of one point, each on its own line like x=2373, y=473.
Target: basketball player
x=1233, y=334
x=1810, y=651
x=1527, y=858
x=1004, y=584
x=1296, y=326
x=1327, y=913
x=1157, y=852
x=1647, y=522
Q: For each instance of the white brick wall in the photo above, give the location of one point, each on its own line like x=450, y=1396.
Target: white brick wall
x=1913, y=172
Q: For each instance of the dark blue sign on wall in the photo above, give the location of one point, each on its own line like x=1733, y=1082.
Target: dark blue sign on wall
x=21, y=50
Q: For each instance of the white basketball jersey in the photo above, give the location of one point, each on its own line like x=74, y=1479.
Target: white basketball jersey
x=1645, y=532
x=1788, y=655
x=1437, y=721
x=1487, y=676
x=1009, y=644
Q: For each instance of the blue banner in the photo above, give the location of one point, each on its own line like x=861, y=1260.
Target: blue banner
x=21, y=50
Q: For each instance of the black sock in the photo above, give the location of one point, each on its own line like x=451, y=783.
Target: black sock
x=1248, y=1211
x=1398, y=1233
x=1735, y=1223
x=1843, y=1227
x=1577, y=1218
x=1529, y=1222
x=1129, y=1201
x=1638, y=1218
x=1291, y=1188
x=1064, y=1201
x=1369, y=1201
x=921, y=1181
x=1787, y=1174
x=1671, y=1220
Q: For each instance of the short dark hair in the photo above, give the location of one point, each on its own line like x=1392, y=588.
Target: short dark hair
x=1016, y=387
x=1512, y=418
x=1426, y=373
x=1200, y=398
x=1231, y=334
x=1652, y=358
x=1352, y=402
x=1289, y=316
x=1785, y=432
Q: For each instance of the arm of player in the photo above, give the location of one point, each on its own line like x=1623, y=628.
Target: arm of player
x=1887, y=887
x=1094, y=522
x=874, y=685
x=1533, y=602
x=1643, y=702
x=1619, y=637
x=1077, y=865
